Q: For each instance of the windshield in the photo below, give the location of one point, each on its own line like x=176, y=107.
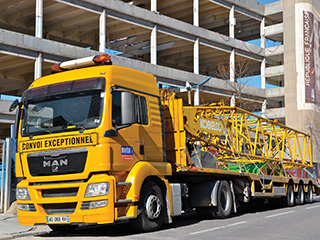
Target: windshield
x=64, y=112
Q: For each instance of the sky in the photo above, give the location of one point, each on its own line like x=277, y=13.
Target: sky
x=266, y=1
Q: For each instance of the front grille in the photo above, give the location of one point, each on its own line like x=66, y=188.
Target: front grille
x=61, y=192
x=63, y=208
x=57, y=162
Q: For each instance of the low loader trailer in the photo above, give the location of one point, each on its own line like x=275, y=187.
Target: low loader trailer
x=99, y=144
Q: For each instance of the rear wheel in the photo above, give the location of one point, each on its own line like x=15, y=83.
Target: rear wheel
x=309, y=194
x=299, y=196
x=151, y=208
x=288, y=200
x=225, y=200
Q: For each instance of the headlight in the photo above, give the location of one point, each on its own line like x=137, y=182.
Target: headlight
x=97, y=189
x=22, y=194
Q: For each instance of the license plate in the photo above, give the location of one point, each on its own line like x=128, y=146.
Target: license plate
x=61, y=219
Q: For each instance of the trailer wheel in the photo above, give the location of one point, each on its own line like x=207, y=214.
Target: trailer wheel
x=151, y=210
x=63, y=228
x=288, y=200
x=309, y=194
x=225, y=200
x=299, y=196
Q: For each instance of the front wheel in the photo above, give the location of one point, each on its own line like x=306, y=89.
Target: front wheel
x=151, y=208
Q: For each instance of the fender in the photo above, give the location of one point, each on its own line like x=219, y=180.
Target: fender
x=141, y=171
x=214, y=194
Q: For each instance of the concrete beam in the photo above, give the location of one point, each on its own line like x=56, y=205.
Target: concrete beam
x=273, y=8
x=273, y=30
x=12, y=40
x=274, y=71
x=249, y=8
x=274, y=51
x=275, y=113
x=275, y=94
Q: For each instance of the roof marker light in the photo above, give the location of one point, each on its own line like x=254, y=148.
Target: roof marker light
x=56, y=68
x=103, y=58
x=82, y=62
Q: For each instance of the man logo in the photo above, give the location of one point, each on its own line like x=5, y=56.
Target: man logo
x=55, y=164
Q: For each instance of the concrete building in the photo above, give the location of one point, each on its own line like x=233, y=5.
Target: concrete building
x=179, y=41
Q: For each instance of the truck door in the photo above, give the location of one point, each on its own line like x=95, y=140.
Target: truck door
x=126, y=146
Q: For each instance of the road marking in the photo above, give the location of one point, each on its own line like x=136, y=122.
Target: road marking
x=280, y=214
x=217, y=228
x=313, y=207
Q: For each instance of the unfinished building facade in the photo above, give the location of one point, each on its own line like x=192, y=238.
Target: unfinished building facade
x=180, y=42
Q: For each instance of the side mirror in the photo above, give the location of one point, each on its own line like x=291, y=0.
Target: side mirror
x=127, y=108
x=14, y=105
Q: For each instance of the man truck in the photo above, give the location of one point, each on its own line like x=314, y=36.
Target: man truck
x=99, y=144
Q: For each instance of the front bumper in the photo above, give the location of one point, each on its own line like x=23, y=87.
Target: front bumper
x=48, y=202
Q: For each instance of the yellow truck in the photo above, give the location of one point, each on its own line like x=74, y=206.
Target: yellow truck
x=99, y=144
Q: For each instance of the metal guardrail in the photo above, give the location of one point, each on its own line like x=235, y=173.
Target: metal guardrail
x=6, y=175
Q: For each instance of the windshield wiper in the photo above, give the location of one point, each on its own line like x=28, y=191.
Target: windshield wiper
x=75, y=128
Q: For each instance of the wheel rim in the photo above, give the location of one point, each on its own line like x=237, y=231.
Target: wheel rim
x=153, y=207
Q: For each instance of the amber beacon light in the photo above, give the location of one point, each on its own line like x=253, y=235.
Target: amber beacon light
x=103, y=59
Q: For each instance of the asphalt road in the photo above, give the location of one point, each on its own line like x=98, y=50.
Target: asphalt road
x=267, y=221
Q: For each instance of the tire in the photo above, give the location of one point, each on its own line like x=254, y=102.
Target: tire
x=288, y=200
x=299, y=196
x=308, y=196
x=63, y=228
x=151, y=208
x=225, y=201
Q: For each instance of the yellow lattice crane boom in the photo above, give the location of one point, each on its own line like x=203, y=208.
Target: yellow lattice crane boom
x=234, y=136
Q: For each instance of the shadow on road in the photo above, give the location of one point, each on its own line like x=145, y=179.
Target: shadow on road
x=125, y=229
x=121, y=229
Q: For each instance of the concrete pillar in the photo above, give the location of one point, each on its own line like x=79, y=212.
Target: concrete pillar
x=232, y=23
x=153, y=5
x=196, y=51
x=232, y=66
x=233, y=101
x=38, y=34
x=153, y=45
x=39, y=18
x=196, y=57
x=196, y=96
x=196, y=13
x=264, y=109
x=102, y=31
x=263, y=74
x=262, y=33
x=38, y=67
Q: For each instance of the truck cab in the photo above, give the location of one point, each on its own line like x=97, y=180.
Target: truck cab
x=87, y=140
